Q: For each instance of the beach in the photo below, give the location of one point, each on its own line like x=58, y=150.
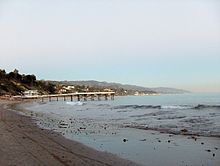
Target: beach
x=24, y=143
x=174, y=130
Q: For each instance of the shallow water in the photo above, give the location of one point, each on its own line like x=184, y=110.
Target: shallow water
x=109, y=126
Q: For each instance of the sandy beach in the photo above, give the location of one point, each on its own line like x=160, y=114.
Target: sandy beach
x=23, y=143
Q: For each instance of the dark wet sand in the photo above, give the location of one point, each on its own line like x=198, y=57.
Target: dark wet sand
x=23, y=143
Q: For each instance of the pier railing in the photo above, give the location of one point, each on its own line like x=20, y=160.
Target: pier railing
x=78, y=96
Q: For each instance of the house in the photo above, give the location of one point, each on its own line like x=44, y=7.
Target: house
x=69, y=87
x=31, y=93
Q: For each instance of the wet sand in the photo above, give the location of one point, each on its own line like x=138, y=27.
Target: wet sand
x=23, y=143
x=146, y=146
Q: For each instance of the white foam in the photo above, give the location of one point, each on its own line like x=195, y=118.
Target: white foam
x=175, y=107
x=75, y=103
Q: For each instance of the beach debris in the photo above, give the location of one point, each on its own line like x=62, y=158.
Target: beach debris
x=143, y=139
x=208, y=150
x=216, y=148
x=213, y=154
x=184, y=130
x=159, y=140
x=202, y=143
x=193, y=137
x=62, y=124
x=168, y=141
x=82, y=128
x=125, y=140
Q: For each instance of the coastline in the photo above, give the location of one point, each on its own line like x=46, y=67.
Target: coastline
x=141, y=146
x=24, y=143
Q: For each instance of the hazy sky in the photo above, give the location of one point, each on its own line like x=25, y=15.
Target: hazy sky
x=173, y=43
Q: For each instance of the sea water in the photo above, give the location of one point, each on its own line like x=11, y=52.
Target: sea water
x=141, y=128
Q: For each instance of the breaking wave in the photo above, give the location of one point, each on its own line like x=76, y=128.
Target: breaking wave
x=75, y=103
x=169, y=107
x=138, y=107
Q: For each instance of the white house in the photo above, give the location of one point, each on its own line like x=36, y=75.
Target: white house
x=31, y=93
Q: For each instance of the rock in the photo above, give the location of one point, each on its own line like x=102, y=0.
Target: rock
x=184, y=130
x=62, y=124
x=193, y=137
x=125, y=140
x=213, y=154
x=82, y=128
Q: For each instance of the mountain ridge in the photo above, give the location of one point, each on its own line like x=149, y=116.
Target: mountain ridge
x=94, y=83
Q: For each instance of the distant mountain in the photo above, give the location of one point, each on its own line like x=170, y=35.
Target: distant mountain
x=93, y=83
x=165, y=90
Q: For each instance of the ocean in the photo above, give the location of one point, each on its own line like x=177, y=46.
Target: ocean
x=180, y=129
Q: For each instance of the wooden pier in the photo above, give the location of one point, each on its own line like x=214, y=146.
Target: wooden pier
x=71, y=96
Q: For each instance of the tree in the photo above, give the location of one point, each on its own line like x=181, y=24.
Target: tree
x=2, y=73
x=29, y=79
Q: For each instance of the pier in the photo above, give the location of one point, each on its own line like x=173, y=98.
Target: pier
x=74, y=96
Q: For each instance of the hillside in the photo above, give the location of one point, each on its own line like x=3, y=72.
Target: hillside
x=131, y=89
x=13, y=83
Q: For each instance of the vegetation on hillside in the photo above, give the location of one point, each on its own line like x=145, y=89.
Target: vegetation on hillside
x=14, y=83
x=80, y=86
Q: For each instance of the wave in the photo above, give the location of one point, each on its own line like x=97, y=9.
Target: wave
x=138, y=107
x=201, y=106
x=176, y=107
x=79, y=103
x=167, y=107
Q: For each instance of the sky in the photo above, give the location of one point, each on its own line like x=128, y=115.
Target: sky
x=151, y=43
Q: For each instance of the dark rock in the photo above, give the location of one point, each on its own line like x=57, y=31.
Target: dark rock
x=125, y=140
x=184, y=130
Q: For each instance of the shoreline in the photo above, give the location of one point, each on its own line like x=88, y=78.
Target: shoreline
x=140, y=146
x=24, y=143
